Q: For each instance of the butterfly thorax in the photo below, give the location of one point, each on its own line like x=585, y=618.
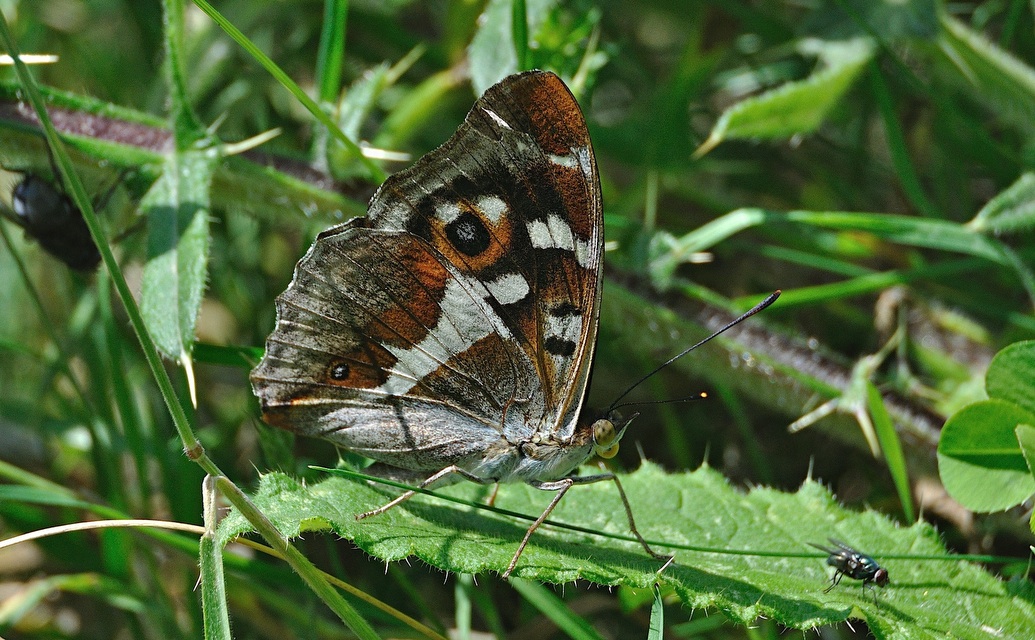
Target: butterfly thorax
x=539, y=458
x=549, y=457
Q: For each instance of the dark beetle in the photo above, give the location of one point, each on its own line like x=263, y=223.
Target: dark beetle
x=49, y=216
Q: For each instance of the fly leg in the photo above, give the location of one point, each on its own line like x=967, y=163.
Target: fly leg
x=834, y=581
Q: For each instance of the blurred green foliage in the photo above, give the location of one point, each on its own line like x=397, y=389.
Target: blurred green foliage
x=733, y=141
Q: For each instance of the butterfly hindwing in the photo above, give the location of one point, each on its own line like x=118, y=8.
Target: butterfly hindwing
x=371, y=364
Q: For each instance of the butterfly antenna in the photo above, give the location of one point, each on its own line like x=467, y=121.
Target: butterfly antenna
x=696, y=396
x=770, y=299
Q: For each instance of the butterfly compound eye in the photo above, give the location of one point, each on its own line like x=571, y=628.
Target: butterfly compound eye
x=605, y=441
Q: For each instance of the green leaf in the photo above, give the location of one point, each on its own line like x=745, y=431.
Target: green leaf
x=668, y=252
x=492, y=54
x=990, y=75
x=942, y=235
x=918, y=232
x=698, y=516
x=657, y=617
x=1010, y=211
x=255, y=188
x=359, y=100
x=462, y=595
x=1026, y=438
x=352, y=111
x=246, y=357
x=979, y=458
x=23, y=606
x=796, y=107
x=331, y=54
x=893, y=20
x=416, y=109
x=17, y=494
x=177, y=210
x=905, y=168
x=376, y=173
x=187, y=128
x=1011, y=375
x=519, y=32
x=892, y=448
x=555, y=610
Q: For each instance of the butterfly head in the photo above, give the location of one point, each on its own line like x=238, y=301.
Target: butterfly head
x=607, y=434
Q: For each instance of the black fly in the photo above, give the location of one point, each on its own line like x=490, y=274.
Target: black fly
x=855, y=565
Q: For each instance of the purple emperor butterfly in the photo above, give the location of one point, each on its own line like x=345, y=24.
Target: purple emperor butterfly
x=450, y=332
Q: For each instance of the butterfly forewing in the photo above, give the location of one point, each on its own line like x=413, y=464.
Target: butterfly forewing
x=513, y=200
x=464, y=308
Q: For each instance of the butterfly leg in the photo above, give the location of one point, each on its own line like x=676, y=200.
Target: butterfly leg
x=632, y=522
x=492, y=499
x=561, y=487
x=438, y=475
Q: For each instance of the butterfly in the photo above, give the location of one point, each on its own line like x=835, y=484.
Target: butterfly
x=450, y=331
x=49, y=216
x=854, y=564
